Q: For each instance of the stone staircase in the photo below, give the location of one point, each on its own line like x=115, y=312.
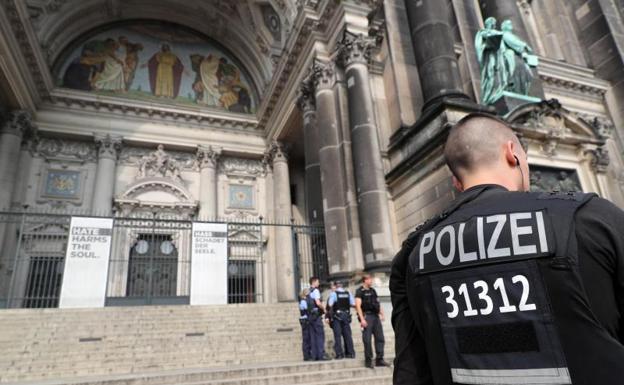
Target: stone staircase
x=229, y=344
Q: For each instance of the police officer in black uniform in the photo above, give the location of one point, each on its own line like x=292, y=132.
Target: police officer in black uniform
x=370, y=315
x=316, y=309
x=340, y=302
x=506, y=286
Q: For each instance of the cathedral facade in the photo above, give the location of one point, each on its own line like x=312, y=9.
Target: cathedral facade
x=313, y=128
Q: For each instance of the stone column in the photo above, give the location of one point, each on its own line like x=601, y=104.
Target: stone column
x=313, y=194
x=108, y=149
x=282, y=209
x=208, y=160
x=372, y=197
x=433, y=42
x=343, y=245
x=22, y=129
x=11, y=133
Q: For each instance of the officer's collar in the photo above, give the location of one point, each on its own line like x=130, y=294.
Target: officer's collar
x=469, y=195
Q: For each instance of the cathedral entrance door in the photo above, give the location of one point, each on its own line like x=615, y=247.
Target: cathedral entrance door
x=153, y=269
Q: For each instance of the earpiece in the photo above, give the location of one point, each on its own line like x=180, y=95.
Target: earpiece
x=521, y=172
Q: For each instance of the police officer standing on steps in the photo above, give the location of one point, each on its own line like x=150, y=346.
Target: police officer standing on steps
x=315, y=317
x=370, y=315
x=341, y=302
x=507, y=286
x=306, y=345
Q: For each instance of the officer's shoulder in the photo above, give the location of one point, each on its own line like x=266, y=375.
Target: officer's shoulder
x=573, y=196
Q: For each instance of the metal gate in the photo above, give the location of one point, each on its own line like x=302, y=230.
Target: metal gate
x=310, y=254
x=150, y=259
x=150, y=262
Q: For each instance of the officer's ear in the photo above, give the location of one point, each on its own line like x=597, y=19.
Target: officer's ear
x=510, y=154
x=459, y=186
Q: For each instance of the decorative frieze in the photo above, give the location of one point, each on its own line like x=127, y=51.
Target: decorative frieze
x=66, y=150
x=242, y=167
x=131, y=156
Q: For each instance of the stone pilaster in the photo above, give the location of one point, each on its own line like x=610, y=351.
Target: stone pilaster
x=342, y=233
x=313, y=194
x=17, y=136
x=282, y=211
x=208, y=158
x=108, y=148
x=433, y=42
x=18, y=124
x=375, y=227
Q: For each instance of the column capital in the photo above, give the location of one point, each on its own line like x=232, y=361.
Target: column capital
x=323, y=74
x=19, y=123
x=277, y=152
x=108, y=146
x=355, y=48
x=305, y=99
x=208, y=156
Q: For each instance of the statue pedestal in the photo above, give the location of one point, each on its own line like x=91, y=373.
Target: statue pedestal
x=510, y=100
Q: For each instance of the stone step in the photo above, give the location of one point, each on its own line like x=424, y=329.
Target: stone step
x=42, y=344
x=275, y=373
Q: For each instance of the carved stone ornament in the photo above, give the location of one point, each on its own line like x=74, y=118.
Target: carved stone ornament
x=306, y=100
x=355, y=48
x=323, y=74
x=175, y=199
x=208, y=156
x=108, y=146
x=18, y=122
x=546, y=116
x=599, y=159
x=242, y=167
x=546, y=179
x=602, y=127
x=278, y=151
x=159, y=164
x=65, y=150
x=131, y=156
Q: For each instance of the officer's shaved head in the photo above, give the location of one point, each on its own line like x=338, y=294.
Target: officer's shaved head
x=475, y=142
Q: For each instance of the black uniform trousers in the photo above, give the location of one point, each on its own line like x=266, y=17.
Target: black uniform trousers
x=341, y=325
x=317, y=337
x=306, y=343
x=373, y=328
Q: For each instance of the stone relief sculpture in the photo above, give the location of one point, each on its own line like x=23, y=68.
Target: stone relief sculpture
x=159, y=164
x=506, y=62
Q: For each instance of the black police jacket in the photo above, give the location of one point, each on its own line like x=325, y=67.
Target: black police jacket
x=493, y=294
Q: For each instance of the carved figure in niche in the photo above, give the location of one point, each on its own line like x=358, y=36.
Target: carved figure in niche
x=165, y=73
x=159, y=164
x=506, y=61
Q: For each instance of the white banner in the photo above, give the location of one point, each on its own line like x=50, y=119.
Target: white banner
x=86, y=262
x=209, y=264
